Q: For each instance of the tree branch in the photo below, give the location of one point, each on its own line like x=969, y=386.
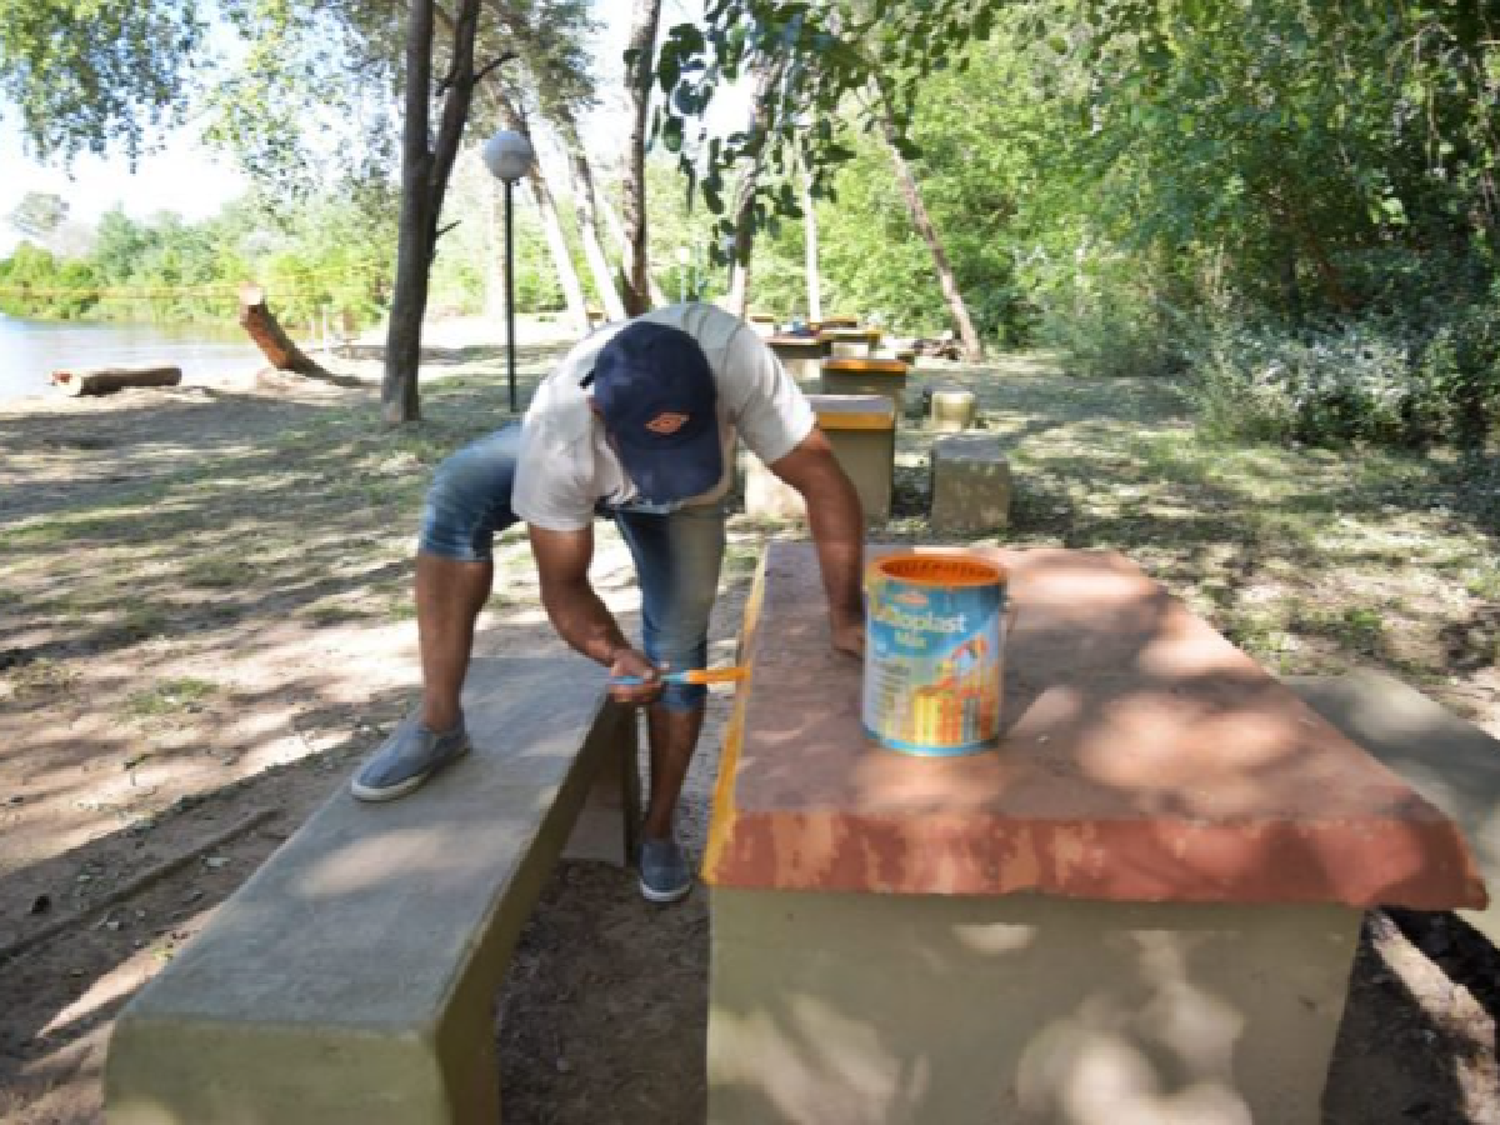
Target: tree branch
x=485, y=71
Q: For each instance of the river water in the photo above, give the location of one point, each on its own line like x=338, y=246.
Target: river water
x=31, y=349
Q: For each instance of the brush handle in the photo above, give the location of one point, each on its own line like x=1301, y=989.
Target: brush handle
x=691, y=676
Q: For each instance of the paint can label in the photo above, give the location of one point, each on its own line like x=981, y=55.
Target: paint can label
x=934, y=659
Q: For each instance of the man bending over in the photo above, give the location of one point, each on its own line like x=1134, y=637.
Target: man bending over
x=639, y=421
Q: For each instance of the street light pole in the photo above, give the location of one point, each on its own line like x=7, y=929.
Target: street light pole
x=510, y=295
x=508, y=156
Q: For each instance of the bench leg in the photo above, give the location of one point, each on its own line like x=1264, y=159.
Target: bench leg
x=183, y=1071
x=606, y=828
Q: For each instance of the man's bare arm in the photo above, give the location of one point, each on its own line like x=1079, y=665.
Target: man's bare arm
x=578, y=614
x=838, y=530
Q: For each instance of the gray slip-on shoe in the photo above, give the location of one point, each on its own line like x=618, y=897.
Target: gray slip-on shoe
x=665, y=875
x=409, y=757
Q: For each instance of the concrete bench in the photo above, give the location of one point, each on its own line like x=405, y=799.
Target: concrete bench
x=851, y=341
x=971, y=483
x=763, y=323
x=862, y=431
x=351, y=980
x=1451, y=763
x=802, y=356
x=858, y=375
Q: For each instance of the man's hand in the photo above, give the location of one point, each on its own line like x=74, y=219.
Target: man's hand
x=629, y=662
x=849, y=638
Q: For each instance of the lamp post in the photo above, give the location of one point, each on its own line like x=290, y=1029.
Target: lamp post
x=508, y=156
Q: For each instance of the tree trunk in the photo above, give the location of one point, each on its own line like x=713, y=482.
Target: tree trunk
x=268, y=335
x=617, y=232
x=426, y=165
x=586, y=208
x=108, y=380
x=810, y=243
x=973, y=349
x=643, y=23
x=562, y=257
x=766, y=83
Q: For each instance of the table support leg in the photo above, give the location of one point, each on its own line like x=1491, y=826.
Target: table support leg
x=913, y=1008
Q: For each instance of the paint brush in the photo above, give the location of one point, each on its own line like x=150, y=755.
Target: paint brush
x=730, y=675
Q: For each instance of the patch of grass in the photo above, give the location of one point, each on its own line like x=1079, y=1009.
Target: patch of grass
x=334, y=613
x=1354, y=628
x=1484, y=583
x=143, y=620
x=217, y=572
x=741, y=559
x=1174, y=455
x=170, y=698
x=1259, y=631
x=40, y=534
x=43, y=676
x=402, y=607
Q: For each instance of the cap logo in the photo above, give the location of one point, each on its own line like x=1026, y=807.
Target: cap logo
x=667, y=423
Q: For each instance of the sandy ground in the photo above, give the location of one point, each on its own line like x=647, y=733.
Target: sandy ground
x=204, y=627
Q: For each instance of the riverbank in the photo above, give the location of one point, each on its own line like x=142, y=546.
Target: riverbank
x=219, y=354
x=205, y=624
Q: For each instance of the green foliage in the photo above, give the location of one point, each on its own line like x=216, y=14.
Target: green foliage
x=1316, y=182
x=1383, y=380
x=331, y=251
x=87, y=76
x=821, y=54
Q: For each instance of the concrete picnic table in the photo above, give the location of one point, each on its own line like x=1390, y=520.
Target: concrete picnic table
x=802, y=356
x=1143, y=905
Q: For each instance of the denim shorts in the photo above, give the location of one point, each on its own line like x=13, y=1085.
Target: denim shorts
x=677, y=554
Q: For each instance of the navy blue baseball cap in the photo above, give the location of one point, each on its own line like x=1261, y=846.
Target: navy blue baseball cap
x=657, y=396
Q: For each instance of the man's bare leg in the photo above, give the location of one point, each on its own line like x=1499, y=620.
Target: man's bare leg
x=450, y=594
x=673, y=736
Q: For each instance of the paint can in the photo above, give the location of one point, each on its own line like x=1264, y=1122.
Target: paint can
x=934, y=652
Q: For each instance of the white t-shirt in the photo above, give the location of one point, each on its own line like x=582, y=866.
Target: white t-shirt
x=566, y=466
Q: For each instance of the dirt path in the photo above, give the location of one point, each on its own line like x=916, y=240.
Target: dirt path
x=204, y=625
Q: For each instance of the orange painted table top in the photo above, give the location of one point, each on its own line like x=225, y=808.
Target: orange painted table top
x=1143, y=758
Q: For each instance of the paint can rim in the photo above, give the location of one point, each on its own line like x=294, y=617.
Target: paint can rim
x=936, y=568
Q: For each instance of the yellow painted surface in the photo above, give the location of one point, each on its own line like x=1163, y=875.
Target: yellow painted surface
x=865, y=366
x=721, y=819
x=834, y=420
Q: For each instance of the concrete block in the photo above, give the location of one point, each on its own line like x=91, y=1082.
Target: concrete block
x=802, y=356
x=952, y=411
x=351, y=979
x=862, y=431
x=1452, y=763
x=881, y=1009
x=850, y=341
x=845, y=375
x=971, y=483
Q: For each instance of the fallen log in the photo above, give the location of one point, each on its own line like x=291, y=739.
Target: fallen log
x=278, y=348
x=108, y=380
